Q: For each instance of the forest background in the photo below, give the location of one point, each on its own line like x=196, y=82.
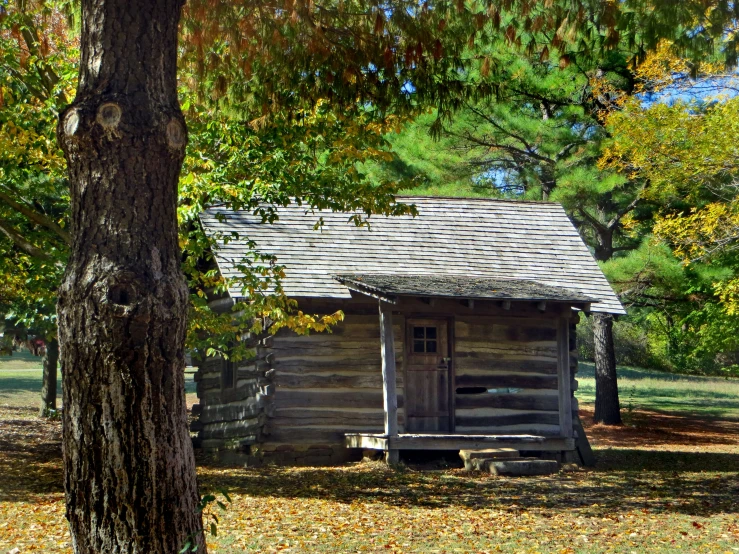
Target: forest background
x=640, y=149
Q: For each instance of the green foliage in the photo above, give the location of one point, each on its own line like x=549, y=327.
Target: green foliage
x=634, y=342
x=306, y=155
x=675, y=311
x=37, y=73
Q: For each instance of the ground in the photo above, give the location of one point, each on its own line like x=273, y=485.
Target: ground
x=666, y=481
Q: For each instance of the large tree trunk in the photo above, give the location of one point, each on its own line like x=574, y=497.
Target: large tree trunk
x=48, y=383
x=128, y=460
x=607, y=408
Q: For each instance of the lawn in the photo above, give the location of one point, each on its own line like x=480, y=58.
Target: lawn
x=667, y=392
x=20, y=360
x=665, y=482
x=20, y=381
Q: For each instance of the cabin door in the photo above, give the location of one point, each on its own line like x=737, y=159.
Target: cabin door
x=427, y=376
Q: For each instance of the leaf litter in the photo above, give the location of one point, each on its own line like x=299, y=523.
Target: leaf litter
x=661, y=496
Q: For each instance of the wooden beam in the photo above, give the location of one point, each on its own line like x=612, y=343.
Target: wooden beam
x=389, y=298
x=389, y=394
x=563, y=378
x=374, y=441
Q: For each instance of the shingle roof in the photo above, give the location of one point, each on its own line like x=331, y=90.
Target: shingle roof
x=498, y=239
x=459, y=286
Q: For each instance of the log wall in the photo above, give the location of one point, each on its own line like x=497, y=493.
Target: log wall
x=506, y=375
x=233, y=418
x=328, y=384
x=294, y=401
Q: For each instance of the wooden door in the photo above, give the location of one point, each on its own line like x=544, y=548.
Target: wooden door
x=427, y=376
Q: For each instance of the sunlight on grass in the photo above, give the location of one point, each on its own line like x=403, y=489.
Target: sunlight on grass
x=20, y=360
x=20, y=384
x=655, y=390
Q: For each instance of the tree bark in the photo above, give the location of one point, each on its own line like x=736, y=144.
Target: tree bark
x=129, y=467
x=48, y=386
x=607, y=409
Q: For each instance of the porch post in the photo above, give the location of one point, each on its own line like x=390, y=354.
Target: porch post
x=389, y=394
x=564, y=380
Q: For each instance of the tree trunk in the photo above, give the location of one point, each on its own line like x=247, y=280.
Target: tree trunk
x=128, y=460
x=607, y=408
x=48, y=386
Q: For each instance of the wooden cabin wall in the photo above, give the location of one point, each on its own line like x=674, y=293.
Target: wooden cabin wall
x=329, y=384
x=506, y=375
x=294, y=401
x=233, y=417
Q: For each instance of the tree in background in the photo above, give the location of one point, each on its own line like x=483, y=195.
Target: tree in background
x=686, y=149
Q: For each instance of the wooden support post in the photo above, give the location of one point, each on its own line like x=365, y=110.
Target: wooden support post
x=563, y=378
x=389, y=393
x=506, y=304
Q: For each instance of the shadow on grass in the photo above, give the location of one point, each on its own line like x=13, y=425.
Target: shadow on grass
x=627, y=480
x=30, y=455
x=649, y=429
x=10, y=386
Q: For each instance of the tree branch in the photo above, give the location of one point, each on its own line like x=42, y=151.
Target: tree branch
x=597, y=225
x=36, y=217
x=22, y=243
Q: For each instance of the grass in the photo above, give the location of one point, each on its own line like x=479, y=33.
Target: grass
x=20, y=382
x=665, y=482
x=20, y=360
x=22, y=388
x=666, y=392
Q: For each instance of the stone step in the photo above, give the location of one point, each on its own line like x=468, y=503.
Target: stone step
x=522, y=467
x=472, y=458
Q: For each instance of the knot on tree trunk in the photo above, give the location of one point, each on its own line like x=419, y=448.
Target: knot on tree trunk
x=109, y=115
x=99, y=122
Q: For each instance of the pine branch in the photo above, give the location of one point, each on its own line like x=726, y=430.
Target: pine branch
x=597, y=225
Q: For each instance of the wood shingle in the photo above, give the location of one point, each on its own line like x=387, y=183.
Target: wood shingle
x=495, y=239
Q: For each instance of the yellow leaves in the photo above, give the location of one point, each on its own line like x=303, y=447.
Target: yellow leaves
x=659, y=67
x=366, y=507
x=678, y=149
x=303, y=323
x=728, y=292
x=702, y=232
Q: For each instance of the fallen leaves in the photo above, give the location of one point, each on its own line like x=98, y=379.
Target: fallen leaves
x=636, y=501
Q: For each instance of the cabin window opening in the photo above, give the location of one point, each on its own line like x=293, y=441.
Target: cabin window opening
x=471, y=390
x=425, y=340
x=228, y=375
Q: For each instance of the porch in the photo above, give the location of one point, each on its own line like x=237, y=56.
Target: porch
x=445, y=409
x=427, y=441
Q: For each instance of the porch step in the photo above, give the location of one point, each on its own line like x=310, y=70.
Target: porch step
x=474, y=459
x=523, y=467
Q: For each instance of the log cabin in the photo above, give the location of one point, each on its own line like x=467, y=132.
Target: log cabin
x=458, y=333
